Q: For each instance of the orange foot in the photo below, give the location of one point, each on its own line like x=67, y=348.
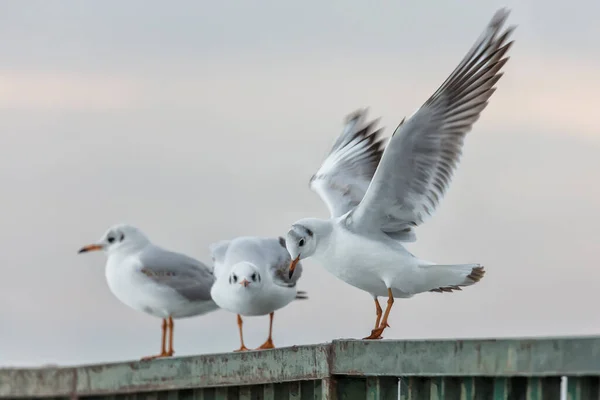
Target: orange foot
x=376, y=333
x=161, y=355
x=243, y=348
x=267, y=345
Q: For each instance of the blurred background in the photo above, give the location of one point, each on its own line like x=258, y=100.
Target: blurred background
x=201, y=121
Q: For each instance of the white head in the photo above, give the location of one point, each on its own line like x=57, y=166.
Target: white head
x=119, y=238
x=301, y=239
x=245, y=276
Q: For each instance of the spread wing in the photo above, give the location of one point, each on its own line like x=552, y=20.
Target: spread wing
x=189, y=277
x=345, y=174
x=420, y=158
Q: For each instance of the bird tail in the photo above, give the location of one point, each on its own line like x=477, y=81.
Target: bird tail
x=448, y=278
x=301, y=295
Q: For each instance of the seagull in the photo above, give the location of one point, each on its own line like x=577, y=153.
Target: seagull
x=377, y=194
x=153, y=280
x=252, y=279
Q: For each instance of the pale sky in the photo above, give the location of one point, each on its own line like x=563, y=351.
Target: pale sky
x=202, y=121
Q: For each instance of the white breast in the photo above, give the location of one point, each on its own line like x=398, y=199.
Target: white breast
x=367, y=264
x=251, y=302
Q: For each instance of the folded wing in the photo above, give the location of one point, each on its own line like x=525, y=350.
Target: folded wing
x=187, y=276
x=269, y=254
x=218, y=251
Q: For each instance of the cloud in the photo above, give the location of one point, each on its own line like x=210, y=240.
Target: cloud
x=536, y=93
x=68, y=91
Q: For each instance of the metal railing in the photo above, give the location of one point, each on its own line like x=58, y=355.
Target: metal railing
x=344, y=369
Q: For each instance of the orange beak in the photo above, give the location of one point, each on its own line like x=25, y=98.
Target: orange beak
x=91, y=247
x=245, y=283
x=293, y=265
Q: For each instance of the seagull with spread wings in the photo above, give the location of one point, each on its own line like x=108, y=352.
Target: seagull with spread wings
x=153, y=280
x=377, y=194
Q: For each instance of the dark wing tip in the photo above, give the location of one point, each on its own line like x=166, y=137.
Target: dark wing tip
x=476, y=274
x=355, y=115
x=500, y=16
x=282, y=242
x=446, y=289
x=301, y=295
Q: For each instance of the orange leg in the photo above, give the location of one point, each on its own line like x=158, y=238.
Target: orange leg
x=171, y=326
x=240, y=323
x=379, y=311
x=269, y=343
x=163, y=350
x=376, y=333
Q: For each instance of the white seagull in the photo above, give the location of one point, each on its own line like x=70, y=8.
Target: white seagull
x=376, y=197
x=252, y=279
x=156, y=281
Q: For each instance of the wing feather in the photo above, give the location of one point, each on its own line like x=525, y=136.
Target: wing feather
x=268, y=253
x=345, y=174
x=218, y=252
x=188, y=276
x=420, y=158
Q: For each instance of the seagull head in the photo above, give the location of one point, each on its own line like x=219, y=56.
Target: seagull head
x=245, y=275
x=119, y=238
x=301, y=242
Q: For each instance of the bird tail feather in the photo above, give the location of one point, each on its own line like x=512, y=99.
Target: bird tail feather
x=448, y=278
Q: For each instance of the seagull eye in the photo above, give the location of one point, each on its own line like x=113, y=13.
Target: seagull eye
x=301, y=242
x=235, y=278
x=253, y=277
x=110, y=239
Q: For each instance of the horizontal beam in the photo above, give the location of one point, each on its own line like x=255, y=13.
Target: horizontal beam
x=500, y=358
x=493, y=357
x=253, y=367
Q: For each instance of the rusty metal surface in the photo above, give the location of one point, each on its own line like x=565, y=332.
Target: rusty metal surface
x=497, y=369
x=583, y=388
x=254, y=367
x=519, y=388
x=505, y=357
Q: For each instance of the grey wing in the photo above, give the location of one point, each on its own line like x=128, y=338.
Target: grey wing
x=218, y=252
x=188, y=276
x=420, y=158
x=345, y=174
x=279, y=265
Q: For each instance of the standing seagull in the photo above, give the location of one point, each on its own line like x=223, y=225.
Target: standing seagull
x=253, y=279
x=159, y=282
x=376, y=199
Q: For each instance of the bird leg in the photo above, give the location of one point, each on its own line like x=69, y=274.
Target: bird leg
x=378, y=311
x=269, y=343
x=240, y=323
x=376, y=333
x=390, y=302
x=171, y=326
x=163, y=350
x=163, y=346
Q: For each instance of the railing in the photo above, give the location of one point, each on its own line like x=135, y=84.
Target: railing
x=344, y=369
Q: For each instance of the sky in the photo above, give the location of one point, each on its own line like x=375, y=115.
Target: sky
x=202, y=121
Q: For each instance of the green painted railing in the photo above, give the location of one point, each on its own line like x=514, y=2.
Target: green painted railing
x=342, y=370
